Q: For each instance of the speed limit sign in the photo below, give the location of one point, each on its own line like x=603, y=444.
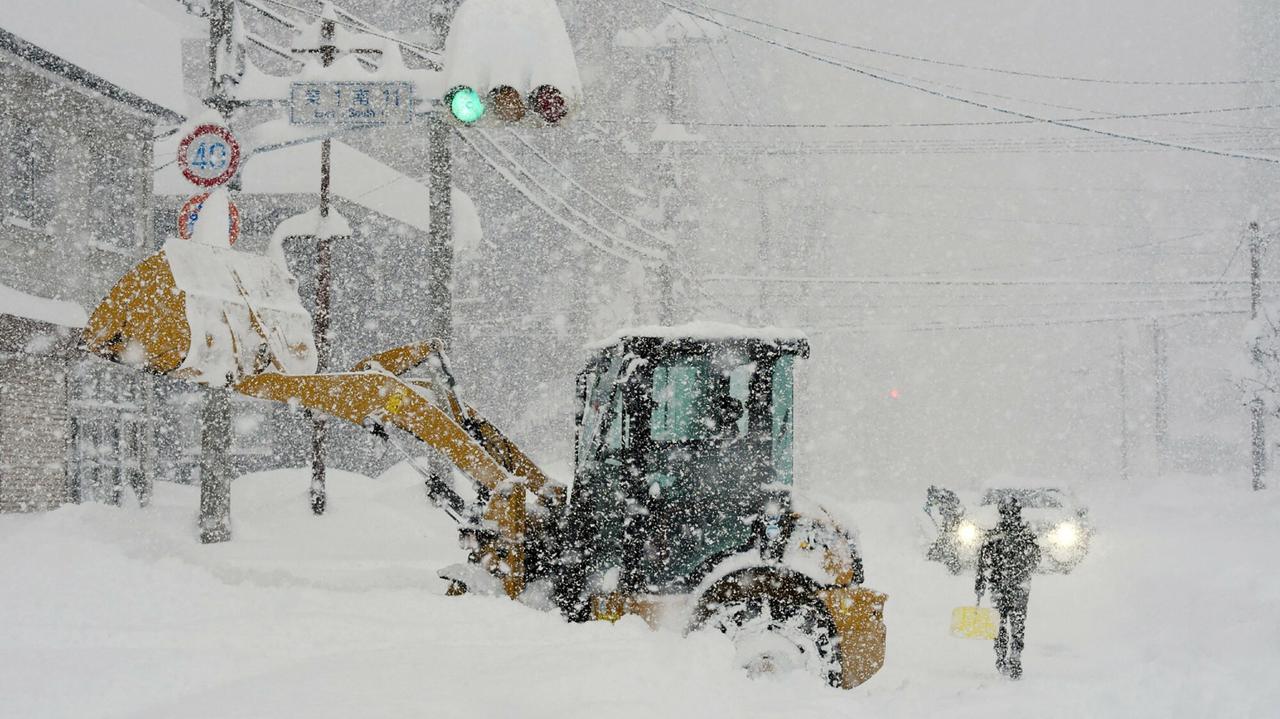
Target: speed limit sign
x=209, y=156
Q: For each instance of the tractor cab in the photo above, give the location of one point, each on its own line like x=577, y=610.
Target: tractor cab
x=684, y=448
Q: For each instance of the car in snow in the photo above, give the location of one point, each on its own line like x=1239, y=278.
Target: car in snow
x=955, y=532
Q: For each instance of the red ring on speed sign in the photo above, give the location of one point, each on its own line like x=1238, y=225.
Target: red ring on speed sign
x=190, y=212
x=216, y=155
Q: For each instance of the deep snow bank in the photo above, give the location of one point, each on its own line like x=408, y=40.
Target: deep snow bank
x=115, y=613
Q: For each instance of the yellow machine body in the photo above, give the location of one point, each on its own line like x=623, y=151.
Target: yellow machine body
x=220, y=317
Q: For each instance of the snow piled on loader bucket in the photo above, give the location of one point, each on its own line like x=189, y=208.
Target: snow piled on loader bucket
x=244, y=313
x=204, y=312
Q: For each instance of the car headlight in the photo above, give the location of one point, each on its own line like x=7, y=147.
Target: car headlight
x=967, y=532
x=1066, y=534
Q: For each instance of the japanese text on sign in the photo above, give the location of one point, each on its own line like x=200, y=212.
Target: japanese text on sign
x=349, y=103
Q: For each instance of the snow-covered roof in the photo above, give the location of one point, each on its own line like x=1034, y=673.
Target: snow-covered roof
x=702, y=331
x=357, y=178
x=121, y=41
x=521, y=43
x=41, y=309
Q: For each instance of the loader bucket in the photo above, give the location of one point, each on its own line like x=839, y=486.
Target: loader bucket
x=207, y=314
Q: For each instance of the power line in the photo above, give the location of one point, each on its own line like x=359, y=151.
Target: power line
x=361, y=27
x=889, y=303
x=976, y=123
x=928, y=282
x=968, y=101
x=1086, y=255
x=642, y=251
x=528, y=194
x=665, y=242
x=985, y=68
x=862, y=329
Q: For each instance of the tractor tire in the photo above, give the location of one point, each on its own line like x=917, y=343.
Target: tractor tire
x=775, y=626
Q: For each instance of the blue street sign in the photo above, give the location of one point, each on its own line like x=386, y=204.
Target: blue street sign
x=350, y=103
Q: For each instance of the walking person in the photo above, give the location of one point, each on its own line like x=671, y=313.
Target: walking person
x=1005, y=563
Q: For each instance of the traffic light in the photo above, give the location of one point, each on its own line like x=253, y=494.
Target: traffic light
x=549, y=104
x=465, y=105
x=505, y=104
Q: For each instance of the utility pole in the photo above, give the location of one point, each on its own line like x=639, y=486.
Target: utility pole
x=1124, y=412
x=667, y=38
x=215, y=420
x=667, y=194
x=215, y=466
x=1160, y=345
x=1257, y=408
x=440, y=187
x=440, y=233
x=321, y=318
x=765, y=251
x=221, y=22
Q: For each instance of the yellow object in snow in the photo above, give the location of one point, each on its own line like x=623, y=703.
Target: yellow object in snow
x=973, y=622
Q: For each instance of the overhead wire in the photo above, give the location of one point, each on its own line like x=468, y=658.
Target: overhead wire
x=985, y=68
x=361, y=27
x=664, y=241
x=652, y=255
x=524, y=190
x=975, y=123
x=968, y=101
x=1022, y=324
x=950, y=282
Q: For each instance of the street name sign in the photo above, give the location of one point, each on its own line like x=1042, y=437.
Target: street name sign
x=350, y=103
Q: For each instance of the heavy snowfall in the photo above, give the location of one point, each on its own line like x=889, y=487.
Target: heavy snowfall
x=639, y=358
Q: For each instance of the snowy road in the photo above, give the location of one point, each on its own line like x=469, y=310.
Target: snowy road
x=120, y=613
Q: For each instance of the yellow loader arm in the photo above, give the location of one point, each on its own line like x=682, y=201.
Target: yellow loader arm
x=216, y=316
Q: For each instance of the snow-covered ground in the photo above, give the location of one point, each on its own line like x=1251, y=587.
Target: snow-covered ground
x=121, y=613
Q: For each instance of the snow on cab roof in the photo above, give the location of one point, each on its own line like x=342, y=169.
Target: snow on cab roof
x=123, y=42
x=708, y=331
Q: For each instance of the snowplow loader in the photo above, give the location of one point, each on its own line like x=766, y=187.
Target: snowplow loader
x=682, y=510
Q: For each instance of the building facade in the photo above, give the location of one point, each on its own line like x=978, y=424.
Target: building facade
x=75, y=186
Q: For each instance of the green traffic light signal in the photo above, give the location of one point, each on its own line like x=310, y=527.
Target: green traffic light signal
x=465, y=105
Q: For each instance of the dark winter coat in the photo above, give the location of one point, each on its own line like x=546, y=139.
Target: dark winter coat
x=1007, y=558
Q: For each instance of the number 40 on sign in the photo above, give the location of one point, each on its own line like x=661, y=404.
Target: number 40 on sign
x=209, y=156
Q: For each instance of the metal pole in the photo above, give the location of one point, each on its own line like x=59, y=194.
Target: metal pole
x=215, y=421
x=667, y=196
x=1257, y=408
x=215, y=466
x=220, y=21
x=1124, y=413
x=440, y=235
x=321, y=319
x=1160, y=341
x=764, y=253
x=440, y=188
